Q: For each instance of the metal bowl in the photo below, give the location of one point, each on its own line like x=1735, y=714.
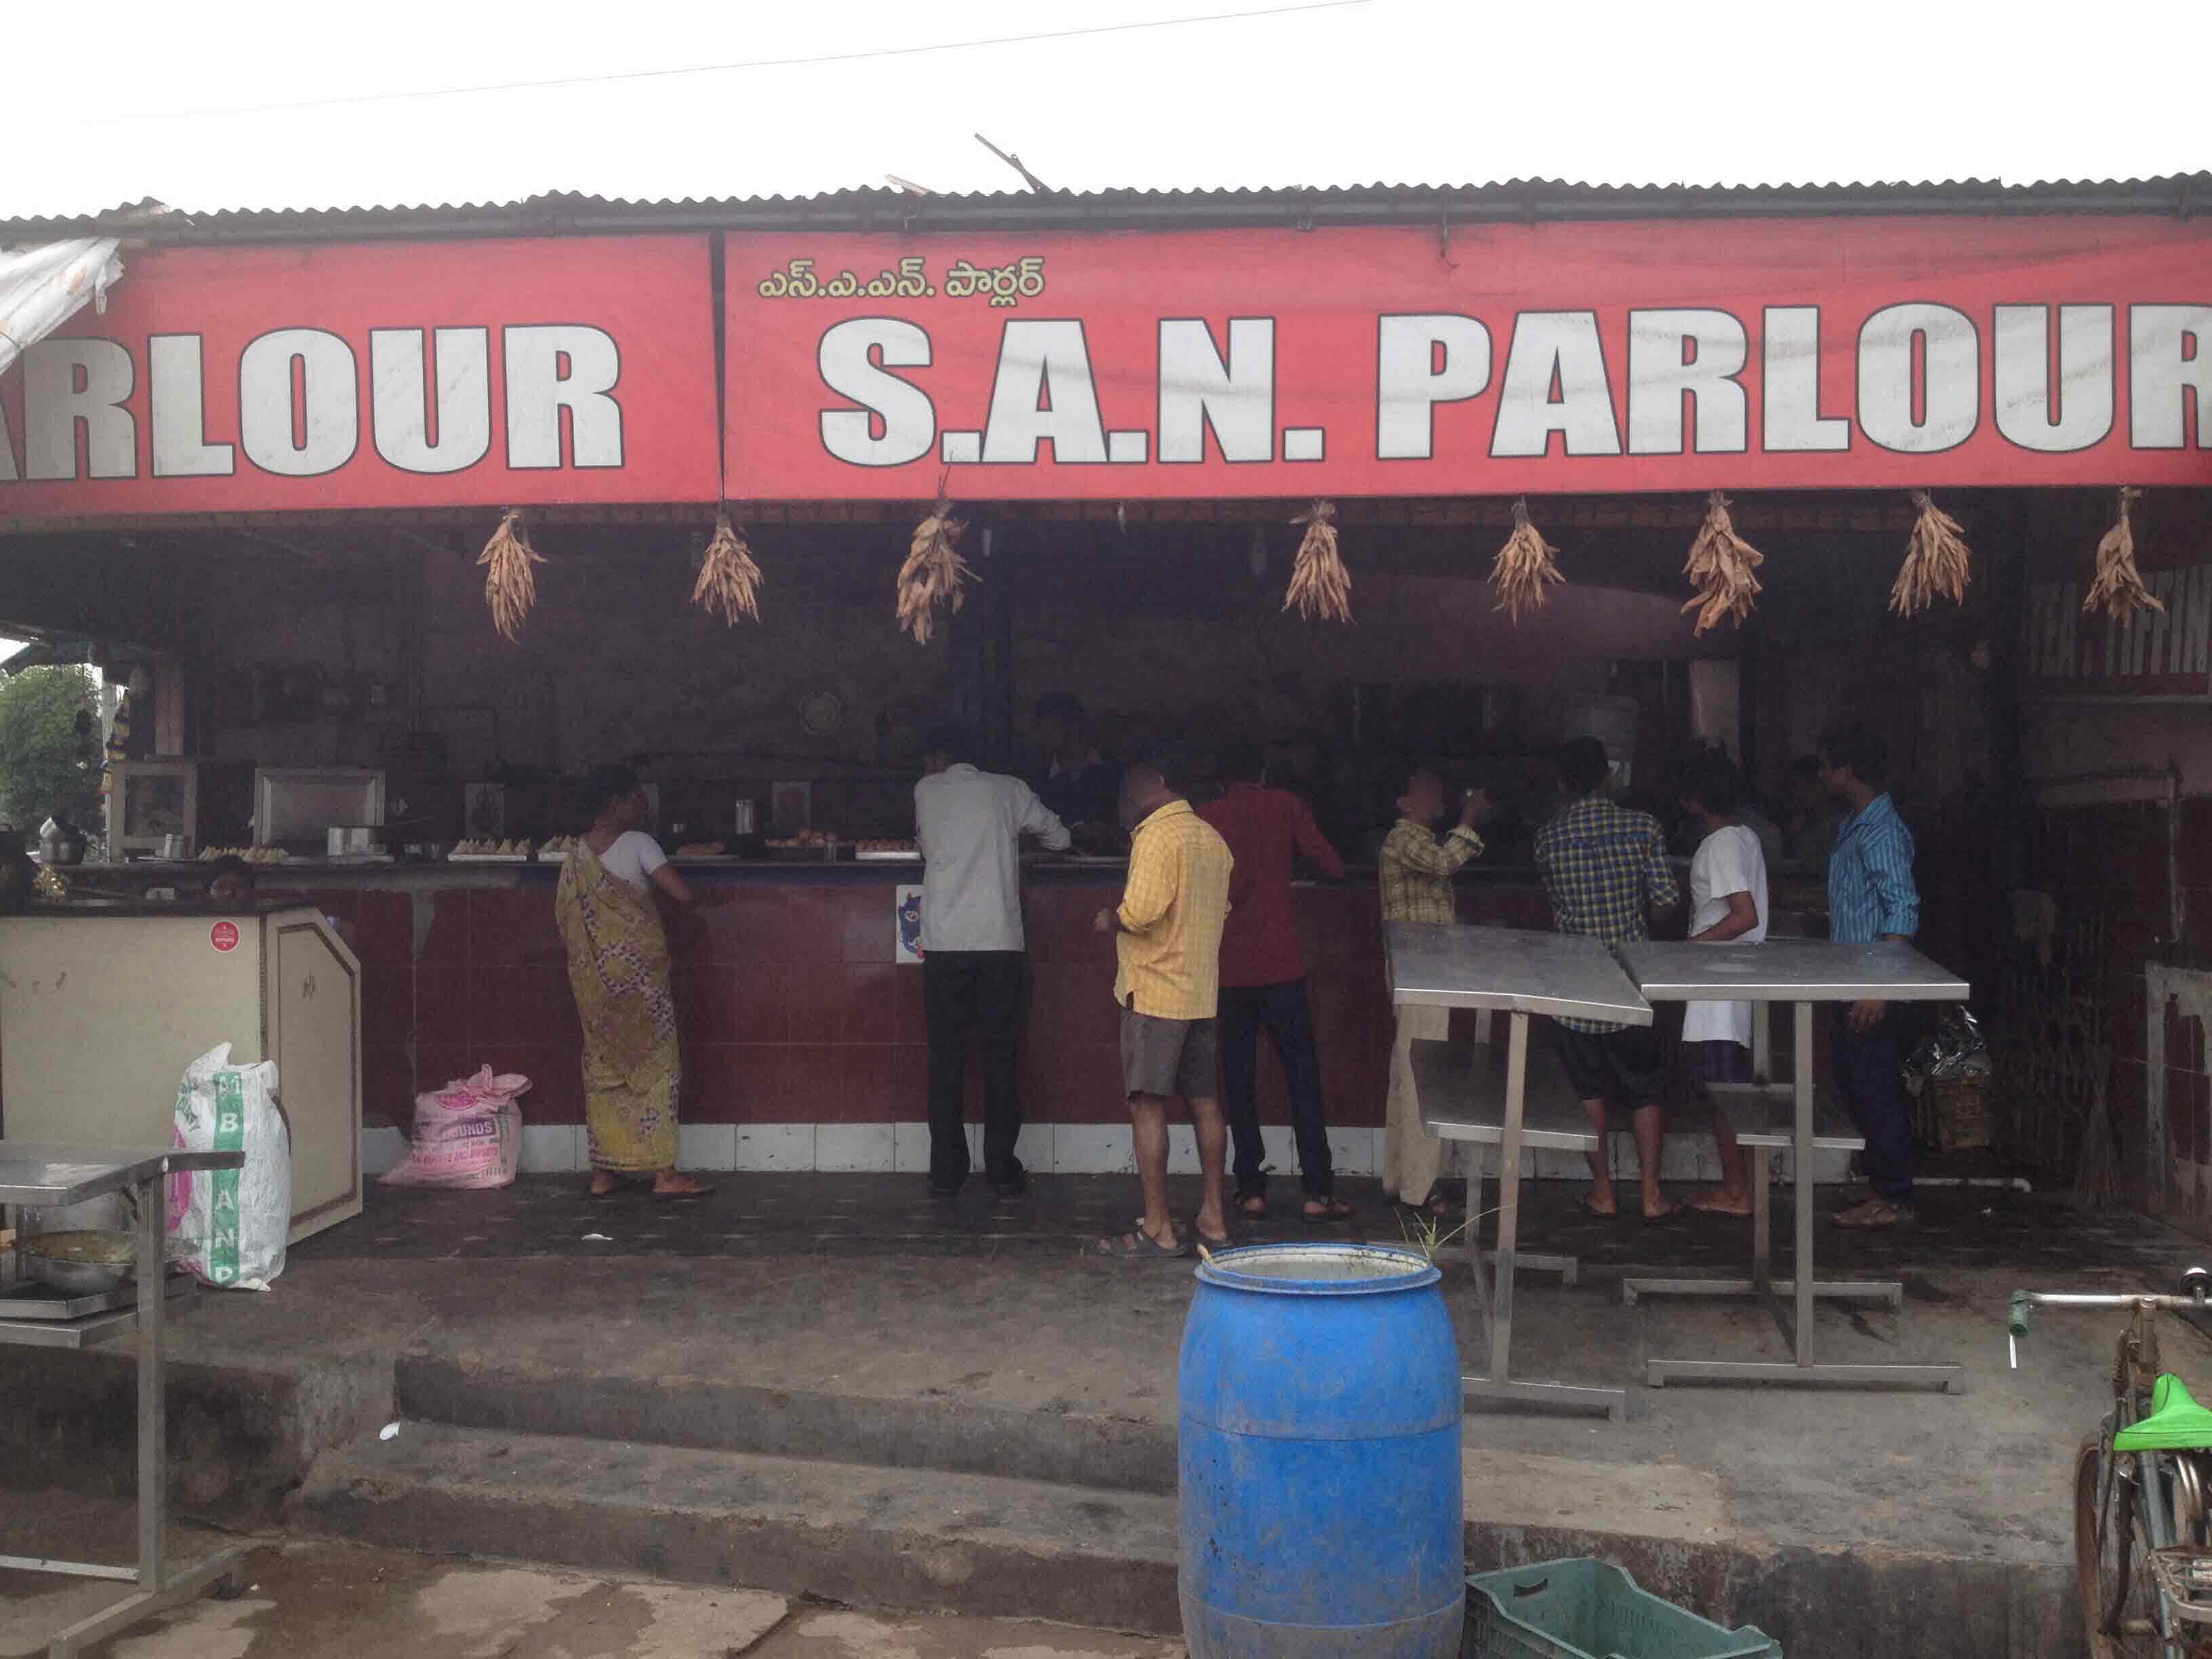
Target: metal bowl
x=64, y=1271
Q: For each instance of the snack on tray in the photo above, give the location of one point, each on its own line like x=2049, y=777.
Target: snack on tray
x=701, y=849
x=250, y=855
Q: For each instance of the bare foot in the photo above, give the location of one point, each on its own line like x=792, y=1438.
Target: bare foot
x=670, y=1183
x=603, y=1182
x=1722, y=1203
x=1657, y=1206
x=1217, y=1235
x=1606, y=1206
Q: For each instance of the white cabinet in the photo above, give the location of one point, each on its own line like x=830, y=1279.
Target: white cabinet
x=103, y=1006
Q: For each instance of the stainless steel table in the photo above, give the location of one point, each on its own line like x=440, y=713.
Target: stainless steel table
x=50, y=1176
x=1802, y=972
x=1519, y=973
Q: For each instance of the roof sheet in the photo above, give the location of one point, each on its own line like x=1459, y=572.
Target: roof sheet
x=562, y=212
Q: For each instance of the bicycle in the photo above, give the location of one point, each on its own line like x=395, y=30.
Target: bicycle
x=2142, y=1539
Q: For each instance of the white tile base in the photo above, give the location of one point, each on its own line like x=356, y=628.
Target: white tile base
x=382, y=1148
x=910, y=1148
x=552, y=1148
x=854, y=1148
x=782, y=1147
x=708, y=1147
x=1062, y=1149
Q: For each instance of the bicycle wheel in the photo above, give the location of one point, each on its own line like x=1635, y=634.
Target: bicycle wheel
x=2111, y=1550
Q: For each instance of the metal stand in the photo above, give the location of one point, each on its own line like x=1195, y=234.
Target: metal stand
x=1761, y=1144
x=160, y=1586
x=1495, y=1298
x=1802, y=1367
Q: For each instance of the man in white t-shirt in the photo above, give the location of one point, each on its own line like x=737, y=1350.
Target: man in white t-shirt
x=1728, y=901
x=969, y=823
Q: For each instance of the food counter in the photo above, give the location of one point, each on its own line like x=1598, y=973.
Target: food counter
x=803, y=1035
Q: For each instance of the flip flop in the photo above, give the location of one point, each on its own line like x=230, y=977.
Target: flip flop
x=1139, y=1246
x=1211, y=1241
x=1253, y=1206
x=1590, y=1208
x=1332, y=1209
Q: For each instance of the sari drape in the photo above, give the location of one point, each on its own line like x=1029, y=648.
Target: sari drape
x=618, y=968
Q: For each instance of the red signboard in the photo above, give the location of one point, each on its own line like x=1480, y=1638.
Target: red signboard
x=223, y=936
x=1479, y=360
x=268, y=380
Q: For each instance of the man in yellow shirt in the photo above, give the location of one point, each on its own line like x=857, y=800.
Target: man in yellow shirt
x=1167, y=930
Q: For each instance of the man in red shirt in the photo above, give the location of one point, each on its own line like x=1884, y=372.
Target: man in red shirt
x=1263, y=979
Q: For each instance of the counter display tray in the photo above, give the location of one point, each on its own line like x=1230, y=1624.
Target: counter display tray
x=909, y=855
x=828, y=852
x=491, y=858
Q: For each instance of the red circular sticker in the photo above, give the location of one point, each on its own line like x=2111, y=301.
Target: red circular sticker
x=224, y=935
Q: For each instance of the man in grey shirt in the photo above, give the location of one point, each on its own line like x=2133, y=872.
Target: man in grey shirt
x=970, y=824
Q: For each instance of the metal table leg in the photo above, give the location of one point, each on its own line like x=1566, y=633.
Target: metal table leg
x=1802, y=1367
x=1500, y=1383
x=158, y=1587
x=1888, y=1291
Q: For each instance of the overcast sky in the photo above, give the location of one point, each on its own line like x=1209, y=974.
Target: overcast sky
x=110, y=102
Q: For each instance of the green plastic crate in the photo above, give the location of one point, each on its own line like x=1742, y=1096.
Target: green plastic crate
x=1580, y=1608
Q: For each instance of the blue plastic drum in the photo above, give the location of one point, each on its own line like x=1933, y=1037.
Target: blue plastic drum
x=1319, y=1438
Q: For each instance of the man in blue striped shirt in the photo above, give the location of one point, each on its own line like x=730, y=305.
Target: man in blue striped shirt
x=1871, y=895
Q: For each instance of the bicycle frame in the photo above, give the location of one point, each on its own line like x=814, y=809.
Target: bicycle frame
x=2174, y=1500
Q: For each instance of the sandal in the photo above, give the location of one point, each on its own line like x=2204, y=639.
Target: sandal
x=1332, y=1209
x=1253, y=1206
x=1875, y=1213
x=1139, y=1246
x=1588, y=1206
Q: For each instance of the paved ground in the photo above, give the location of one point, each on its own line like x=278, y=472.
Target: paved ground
x=856, y=1286
x=303, y=1599
x=985, y=1320
x=891, y=1215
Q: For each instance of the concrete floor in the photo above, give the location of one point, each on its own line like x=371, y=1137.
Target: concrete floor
x=987, y=1320
x=994, y=1307
x=300, y=1600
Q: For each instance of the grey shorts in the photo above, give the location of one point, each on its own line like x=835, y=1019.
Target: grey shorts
x=1168, y=1056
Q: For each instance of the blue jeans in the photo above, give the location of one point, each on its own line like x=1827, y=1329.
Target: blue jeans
x=1870, y=1071
x=1288, y=1017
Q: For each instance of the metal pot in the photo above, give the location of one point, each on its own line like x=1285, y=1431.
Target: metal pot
x=77, y=1278
x=747, y=816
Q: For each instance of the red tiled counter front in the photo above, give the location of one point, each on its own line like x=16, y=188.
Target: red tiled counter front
x=793, y=1010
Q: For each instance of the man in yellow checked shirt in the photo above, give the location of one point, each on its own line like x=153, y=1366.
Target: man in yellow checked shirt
x=1167, y=930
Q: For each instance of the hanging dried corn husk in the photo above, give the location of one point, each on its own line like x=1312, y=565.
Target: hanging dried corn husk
x=729, y=581
x=1523, y=565
x=1320, y=585
x=1936, y=562
x=510, y=588
x=1719, y=566
x=933, y=572
x=2119, y=591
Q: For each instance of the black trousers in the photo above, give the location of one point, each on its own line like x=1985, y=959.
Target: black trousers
x=972, y=993
x=1287, y=1015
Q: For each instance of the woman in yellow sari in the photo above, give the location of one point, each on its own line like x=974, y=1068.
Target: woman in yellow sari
x=618, y=968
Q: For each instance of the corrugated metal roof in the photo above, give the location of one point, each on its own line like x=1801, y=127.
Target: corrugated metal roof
x=562, y=213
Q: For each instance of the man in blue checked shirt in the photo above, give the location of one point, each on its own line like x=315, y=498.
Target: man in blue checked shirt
x=1871, y=895
x=1606, y=872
